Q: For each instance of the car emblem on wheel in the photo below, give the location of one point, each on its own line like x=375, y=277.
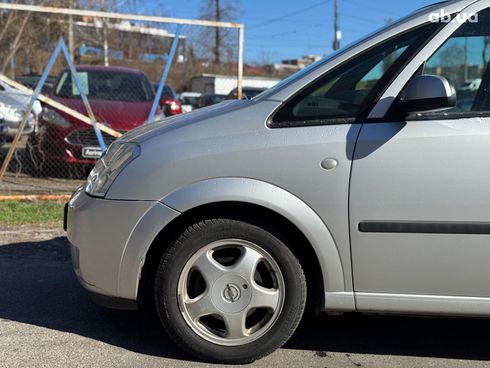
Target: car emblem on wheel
x=231, y=293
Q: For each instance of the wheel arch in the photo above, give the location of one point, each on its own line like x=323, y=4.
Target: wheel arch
x=246, y=196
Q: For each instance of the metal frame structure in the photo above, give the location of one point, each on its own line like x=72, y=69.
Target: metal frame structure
x=144, y=18
x=61, y=47
x=166, y=70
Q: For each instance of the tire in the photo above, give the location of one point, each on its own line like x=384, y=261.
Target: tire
x=245, y=265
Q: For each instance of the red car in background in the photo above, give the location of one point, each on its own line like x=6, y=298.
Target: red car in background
x=120, y=98
x=169, y=102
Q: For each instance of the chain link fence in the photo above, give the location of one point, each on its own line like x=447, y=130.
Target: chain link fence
x=119, y=61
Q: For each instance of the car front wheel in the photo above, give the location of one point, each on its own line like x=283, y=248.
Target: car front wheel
x=229, y=291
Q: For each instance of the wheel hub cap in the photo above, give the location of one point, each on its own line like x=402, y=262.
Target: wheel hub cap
x=231, y=294
x=230, y=301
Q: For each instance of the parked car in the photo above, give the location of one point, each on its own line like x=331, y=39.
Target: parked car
x=247, y=93
x=349, y=187
x=169, y=102
x=208, y=100
x=119, y=97
x=31, y=81
x=13, y=104
x=189, y=100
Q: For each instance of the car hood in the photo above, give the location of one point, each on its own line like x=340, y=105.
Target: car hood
x=119, y=115
x=199, y=142
x=188, y=120
x=13, y=102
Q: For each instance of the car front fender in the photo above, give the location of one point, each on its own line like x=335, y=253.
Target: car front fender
x=284, y=203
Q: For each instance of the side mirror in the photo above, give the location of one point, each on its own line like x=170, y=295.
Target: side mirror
x=427, y=93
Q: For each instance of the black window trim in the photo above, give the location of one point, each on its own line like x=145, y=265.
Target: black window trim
x=449, y=116
x=362, y=118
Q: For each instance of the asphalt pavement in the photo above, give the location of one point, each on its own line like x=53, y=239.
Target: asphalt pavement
x=47, y=320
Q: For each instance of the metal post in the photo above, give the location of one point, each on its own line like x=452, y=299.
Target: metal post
x=120, y=16
x=165, y=73
x=241, y=34
x=84, y=98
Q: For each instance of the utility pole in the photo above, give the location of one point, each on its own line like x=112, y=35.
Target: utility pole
x=337, y=32
x=217, y=36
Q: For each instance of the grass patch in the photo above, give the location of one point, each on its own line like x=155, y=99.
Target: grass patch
x=35, y=212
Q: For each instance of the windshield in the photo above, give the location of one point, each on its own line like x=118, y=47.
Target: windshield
x=106, y=85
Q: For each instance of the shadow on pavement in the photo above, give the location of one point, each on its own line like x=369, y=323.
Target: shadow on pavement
x=38, y=287
x=448, y=338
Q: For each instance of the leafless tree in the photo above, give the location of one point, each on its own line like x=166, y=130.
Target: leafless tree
x=220, y=41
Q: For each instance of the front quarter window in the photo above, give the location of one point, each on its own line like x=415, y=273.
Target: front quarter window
x=348, y=92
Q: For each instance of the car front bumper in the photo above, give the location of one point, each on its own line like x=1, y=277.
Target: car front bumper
x=9, y=128
x=109, y=241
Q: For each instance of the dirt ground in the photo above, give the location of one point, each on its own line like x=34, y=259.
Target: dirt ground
x=14, y=184
x=28, y=233
x=19, y=179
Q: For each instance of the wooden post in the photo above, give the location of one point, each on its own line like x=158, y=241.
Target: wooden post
x=48, y=101
x=14, y=144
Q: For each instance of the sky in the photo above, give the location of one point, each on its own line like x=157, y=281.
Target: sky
x=287, y=29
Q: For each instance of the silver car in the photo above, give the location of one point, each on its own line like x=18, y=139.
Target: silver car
x=13, y=104
x=357, y=185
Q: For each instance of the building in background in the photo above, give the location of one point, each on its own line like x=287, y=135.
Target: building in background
x=127, y=41
x=224, y=84
x=294, y=65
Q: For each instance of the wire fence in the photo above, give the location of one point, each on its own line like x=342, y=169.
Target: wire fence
x=116, y=72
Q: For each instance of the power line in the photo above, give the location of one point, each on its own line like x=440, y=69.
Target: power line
x=300, y=11
x=296, y=30
x=366, y=20
x=377, y=9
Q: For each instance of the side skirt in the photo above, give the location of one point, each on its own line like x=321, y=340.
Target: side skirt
x=422, y=304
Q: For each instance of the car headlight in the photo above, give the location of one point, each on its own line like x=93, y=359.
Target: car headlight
x=117, y=157
x=53, y=117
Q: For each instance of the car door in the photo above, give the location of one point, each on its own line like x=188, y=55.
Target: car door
x=420, y=190
x=321, y=123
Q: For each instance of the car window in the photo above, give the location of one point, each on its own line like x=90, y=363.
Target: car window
x=349, y=91
x=168, y=92
x=106, y=85
x=190, y=100
x=463, y=60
